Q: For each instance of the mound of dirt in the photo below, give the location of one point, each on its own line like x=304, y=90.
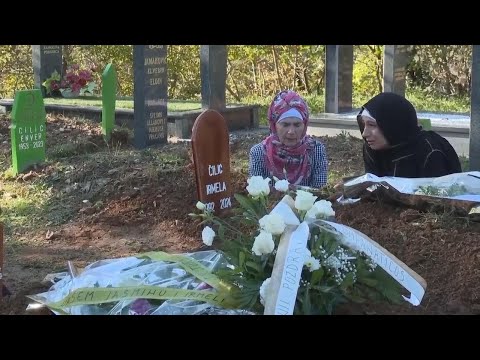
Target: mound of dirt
x=110, y=200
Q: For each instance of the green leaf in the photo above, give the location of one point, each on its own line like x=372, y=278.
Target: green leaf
x=317, y=276
x=216, y=222
x=253, y=265
x=91, y=86
x=221, y=232
x=307, y=305
x=324, y=289
x=347, y=282
x=369, y=281
x=355, y=298
x=55, y=75
x=241, y=259
x=246, y=203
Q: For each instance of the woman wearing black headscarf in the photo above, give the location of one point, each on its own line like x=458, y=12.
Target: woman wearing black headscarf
x=396, y=146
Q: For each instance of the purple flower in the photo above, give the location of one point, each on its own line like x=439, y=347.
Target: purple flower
x=139, y=307
x=203, y=286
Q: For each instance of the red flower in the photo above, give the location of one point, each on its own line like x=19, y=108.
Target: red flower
x=76, y=79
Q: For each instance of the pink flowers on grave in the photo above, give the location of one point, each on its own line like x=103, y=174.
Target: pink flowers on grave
x=78, y=81
x=75, y=82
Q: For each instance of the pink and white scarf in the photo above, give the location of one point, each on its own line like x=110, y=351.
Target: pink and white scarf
x=284, y=162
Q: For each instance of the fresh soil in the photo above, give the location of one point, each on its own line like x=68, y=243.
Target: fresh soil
x=109, y=200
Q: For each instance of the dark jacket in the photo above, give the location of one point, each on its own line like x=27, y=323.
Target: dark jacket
x=414, y=152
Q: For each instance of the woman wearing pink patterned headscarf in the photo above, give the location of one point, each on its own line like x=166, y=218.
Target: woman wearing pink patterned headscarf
x=289, y=153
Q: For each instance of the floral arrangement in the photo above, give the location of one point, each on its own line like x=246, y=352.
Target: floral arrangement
x=75, y=82
x=332, y=273
x=453, y=190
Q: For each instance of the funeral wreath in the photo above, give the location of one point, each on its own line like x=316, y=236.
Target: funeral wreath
x=331, y=272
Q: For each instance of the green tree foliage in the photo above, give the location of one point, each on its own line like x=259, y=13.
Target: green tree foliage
x=96, y=57
x=16, y=69
x=183, y=63
x=367, y=70
x=441, y=69
x=257, y=72
x=265, y=69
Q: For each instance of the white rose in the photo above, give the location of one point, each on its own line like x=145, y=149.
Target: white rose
x=272, y=223
x=263, y=243
x=324, y=208
x=321, y=209
x=304, y=200
x=207, y=235
x=200, y=205
x=312, y=264
x=264, y=290
x=311, y=213
x=282, y=185
x=257, y=185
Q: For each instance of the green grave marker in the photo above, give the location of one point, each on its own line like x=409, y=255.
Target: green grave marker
x=28, y=130
x=109, y=96
x=425, y=123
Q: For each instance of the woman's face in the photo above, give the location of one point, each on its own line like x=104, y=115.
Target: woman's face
x=290, y=131
x=373, y=135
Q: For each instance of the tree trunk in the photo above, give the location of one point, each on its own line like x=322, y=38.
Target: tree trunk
x=255, y=85
x=277, y=69
x=236, y=96
x=306, y=81
x=296, y=75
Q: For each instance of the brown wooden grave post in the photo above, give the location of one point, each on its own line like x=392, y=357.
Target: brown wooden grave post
x=211, y=157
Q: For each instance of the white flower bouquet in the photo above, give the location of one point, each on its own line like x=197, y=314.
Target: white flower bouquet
x=286, y=257
x=274, y=257
x=152, y=283
x=459, y=192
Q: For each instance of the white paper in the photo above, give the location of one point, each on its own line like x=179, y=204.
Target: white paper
x=470, y=180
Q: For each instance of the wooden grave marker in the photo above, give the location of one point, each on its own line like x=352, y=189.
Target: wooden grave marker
x=211, y=157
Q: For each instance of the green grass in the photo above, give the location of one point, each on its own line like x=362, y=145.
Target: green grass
x=334, y=177
x=125, y=103
x=22, y=203
x=70, y=149
x=426, y=123
x=464, y=162
x=421, y=99
x=424, y=101
x=162, y=160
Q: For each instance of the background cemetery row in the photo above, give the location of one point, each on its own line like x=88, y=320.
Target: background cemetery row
x=256, y=72
x=94, y=189
x=150, y=64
